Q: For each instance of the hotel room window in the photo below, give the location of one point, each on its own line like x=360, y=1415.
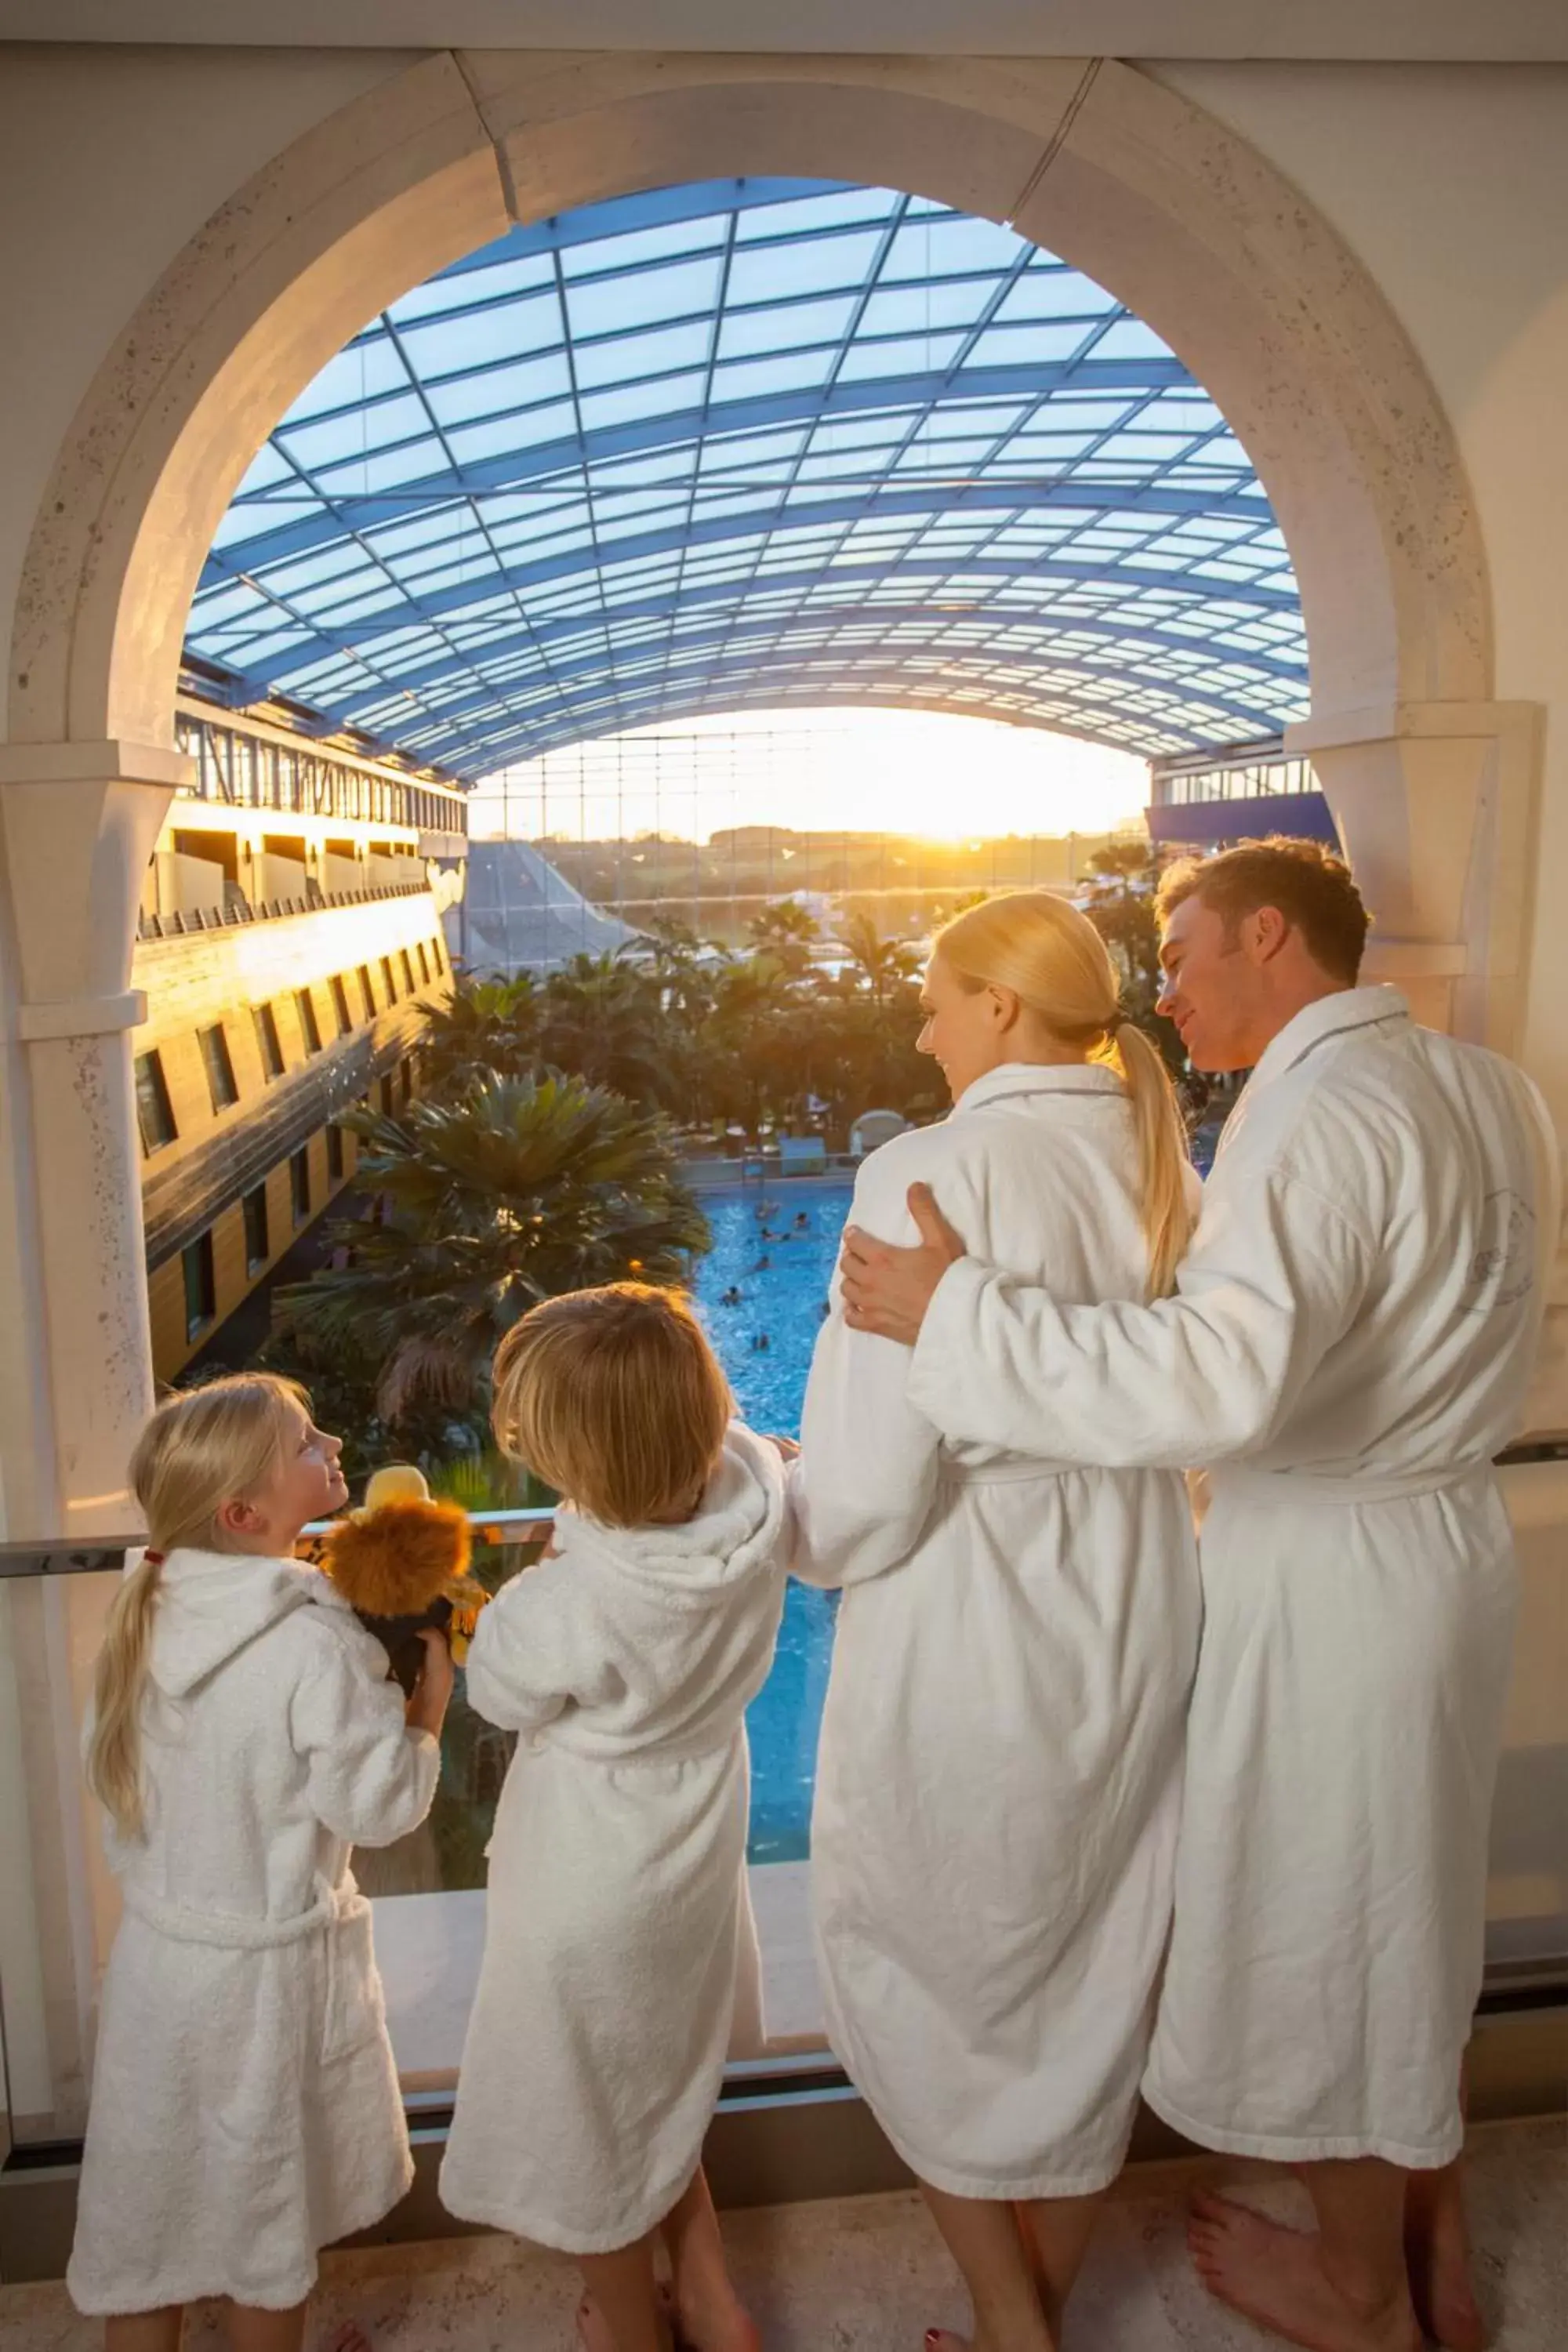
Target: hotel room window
x=299, y=1184
x=387, y=981
x=255, y=1241
x=305, y=1000
x=201, y=1287
x=219, y=1067
x=155, y=1113
x=408, y=969
x=268, y=1042
x=366, y=992
x=335, y=1154
x=341, y=1004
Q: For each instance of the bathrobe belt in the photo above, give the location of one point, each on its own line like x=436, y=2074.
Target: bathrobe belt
x=240, y=1935
x=1288, y=1487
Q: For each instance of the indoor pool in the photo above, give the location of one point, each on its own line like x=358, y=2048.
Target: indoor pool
x=772, y=1259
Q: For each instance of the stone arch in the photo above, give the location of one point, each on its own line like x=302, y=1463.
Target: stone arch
x=1170, y=210
x=1166, y=207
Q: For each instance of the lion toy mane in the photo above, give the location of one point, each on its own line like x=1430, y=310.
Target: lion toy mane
x=401, y=1562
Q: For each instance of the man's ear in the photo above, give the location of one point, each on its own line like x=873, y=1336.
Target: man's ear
x=1264, y=933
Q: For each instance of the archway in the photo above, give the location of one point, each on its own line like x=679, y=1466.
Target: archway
x=1165, y=207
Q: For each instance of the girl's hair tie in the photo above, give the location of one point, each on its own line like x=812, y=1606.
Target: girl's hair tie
x=155, y=1557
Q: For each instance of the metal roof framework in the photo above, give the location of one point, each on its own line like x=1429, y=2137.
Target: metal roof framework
x=754, y=444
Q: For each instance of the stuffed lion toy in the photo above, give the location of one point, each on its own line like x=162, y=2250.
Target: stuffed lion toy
x=401, y=1561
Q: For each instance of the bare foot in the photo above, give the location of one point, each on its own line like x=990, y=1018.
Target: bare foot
x=710, y=2318
x=594, y=2329
x=1274, y=2276
x=1437, y=2253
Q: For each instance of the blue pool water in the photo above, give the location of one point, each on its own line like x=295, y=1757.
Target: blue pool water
x=783, y=1301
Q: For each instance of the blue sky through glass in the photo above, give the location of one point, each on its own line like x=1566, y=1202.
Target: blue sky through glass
x=757, y=444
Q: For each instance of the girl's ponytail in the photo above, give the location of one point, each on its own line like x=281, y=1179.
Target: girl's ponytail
x=114, y=1752
x=1161, y=1155
x=202, y=1447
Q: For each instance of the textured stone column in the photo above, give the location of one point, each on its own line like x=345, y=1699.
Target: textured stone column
x=1436, y=803
x=78, y=824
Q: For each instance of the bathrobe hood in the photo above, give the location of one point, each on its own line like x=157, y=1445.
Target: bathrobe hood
x=734, y=1537
x=212, y=1603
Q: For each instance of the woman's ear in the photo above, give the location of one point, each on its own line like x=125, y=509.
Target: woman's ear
x=1005, y=1005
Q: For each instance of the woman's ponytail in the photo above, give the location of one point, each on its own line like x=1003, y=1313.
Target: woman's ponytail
x=202, y=1448
x=114, y=1752
x=1163, y=1158
x=1053, y=958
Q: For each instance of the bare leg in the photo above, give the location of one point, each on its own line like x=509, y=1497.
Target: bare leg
x=1343, y=2290
x=710, y=2314
x=1057, y=2232
x=144, y=2331
x=985, y=2240
x=622, y=2312
x=251, y=2330
x=1437, y=2251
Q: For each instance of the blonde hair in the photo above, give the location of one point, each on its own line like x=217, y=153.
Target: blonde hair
x=1056, y=964
x=202, y=1447
x=614, y=1398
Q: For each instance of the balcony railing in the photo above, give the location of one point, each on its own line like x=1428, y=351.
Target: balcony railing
x=237, y=909
x=249, y=763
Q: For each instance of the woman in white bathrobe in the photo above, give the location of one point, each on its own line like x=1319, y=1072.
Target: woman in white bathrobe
x=1000, y=1765
x=245, y=2106
x=618, y=1914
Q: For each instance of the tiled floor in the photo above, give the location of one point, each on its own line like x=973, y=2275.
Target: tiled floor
x=870, y=2275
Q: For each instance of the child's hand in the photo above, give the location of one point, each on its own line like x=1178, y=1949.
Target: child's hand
x=427, y=1708
x=788, y=1450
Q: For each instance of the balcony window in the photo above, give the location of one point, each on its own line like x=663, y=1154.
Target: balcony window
x=219, y=1067
x=335, y=1154
x=408, y=969
x=154, y=1112
x=366, y=992
x=424, y=963
x=256, y=1251
x=436, y=958
x=387, y=982
x=304, y=998
x=268, y=1042
x=300, y=1185
x=341, y=1004
x=201, y=1286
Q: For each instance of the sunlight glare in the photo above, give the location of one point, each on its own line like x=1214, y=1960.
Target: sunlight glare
x=925, y=774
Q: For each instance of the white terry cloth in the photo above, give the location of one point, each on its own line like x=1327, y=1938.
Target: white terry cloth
x=1353, y=1336
x=245, y=2104
x=618, y=1904
x=994, y=1836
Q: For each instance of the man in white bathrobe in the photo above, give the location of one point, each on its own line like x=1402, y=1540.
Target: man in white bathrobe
x=1349, y=1345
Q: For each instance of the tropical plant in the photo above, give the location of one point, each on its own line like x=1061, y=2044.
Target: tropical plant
x=787, y=931
x=510, y=1190
x=881, y=963
x=1119, y=899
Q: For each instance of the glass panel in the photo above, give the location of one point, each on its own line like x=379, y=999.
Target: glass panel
x=153, y=1113
x=219, y=1067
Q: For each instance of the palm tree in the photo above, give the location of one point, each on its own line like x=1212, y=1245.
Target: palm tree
x=787, y=931
x=604, y=1020
x=512, y=1192
x=485, y=1024
x=881, y=963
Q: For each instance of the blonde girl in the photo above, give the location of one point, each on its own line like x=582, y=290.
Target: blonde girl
x=245, y=2106
x=999, y=1769
x=618, y=1920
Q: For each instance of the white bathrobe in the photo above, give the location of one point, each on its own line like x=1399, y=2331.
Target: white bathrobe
x=994, y=1836
x=1356, y=1325
x=617, y=1910
x=245, y=2102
